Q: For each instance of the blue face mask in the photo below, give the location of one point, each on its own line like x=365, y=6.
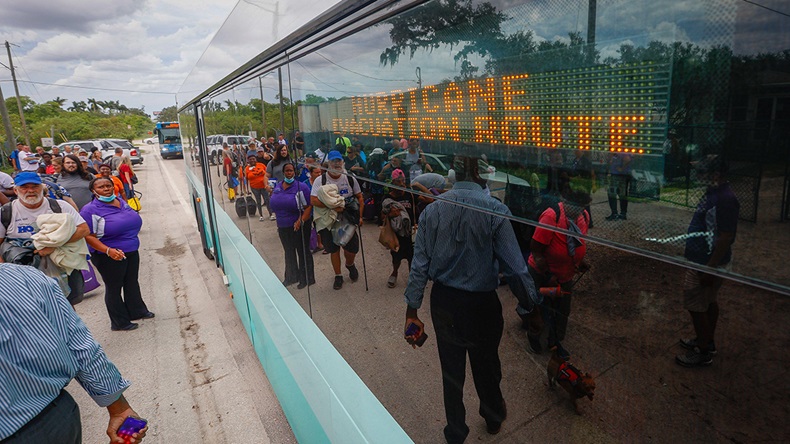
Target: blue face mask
x=289, y=181
x=106, y=199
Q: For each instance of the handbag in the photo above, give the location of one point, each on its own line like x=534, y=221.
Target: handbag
x=134, y=201
x=387, y=236
x=134, y=179
x=89, y=276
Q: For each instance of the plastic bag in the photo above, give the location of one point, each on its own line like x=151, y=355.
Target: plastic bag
x=53, y=271
x=342, y=232
x=387, y=236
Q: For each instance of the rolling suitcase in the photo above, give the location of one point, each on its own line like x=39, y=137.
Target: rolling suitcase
x=252, y=206
x=241, y=207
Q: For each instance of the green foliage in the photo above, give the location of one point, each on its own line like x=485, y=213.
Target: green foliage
x=83, y=120
x=168, y=114
x=233, y=117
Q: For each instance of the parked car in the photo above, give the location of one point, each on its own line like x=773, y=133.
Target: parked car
x=107, y=147
x=214, y=145
x=151, y=140
x=128, y=150
x=497, y=180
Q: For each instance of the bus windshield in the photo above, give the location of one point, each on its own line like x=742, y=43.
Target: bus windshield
x=169, y=136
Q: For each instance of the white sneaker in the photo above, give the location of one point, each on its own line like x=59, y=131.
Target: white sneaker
x=272, y=217
x=261, y=219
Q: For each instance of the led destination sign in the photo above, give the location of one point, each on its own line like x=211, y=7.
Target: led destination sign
x=597, y=108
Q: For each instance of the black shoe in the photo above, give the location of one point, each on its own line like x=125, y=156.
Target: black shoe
x=534, y=343
x=301, y=285
x=353, y=273
x=338, y=283
x=612, y=216
x=622, y=217
x=147, y=315
x=288, y=283
x=495, y=427
x=694, y=358
x=131, y=326
x=690, y=344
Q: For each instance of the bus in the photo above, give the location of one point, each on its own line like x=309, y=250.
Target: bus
x=169, y=139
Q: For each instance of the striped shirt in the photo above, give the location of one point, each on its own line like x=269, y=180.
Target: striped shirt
x=43, y=346
x=467, y=249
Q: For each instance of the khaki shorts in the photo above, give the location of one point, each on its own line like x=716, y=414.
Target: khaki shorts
x=697, y=297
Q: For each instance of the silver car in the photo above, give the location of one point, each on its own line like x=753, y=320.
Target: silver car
x=107, y=147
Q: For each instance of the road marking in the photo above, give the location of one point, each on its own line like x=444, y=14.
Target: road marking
x=173, y=186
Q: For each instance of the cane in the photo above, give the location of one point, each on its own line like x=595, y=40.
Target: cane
x=300, y=203
x=362, y=246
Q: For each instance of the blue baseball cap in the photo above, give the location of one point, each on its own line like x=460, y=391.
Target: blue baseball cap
x=334, y=155
x=26, y=178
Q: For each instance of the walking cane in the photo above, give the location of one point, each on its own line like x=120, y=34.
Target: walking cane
x=300, y=203
x=362, y=246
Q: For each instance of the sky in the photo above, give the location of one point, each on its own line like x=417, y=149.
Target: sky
x=70, y=48
x=162, y=51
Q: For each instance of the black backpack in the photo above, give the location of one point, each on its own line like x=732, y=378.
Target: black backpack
x=6, y=211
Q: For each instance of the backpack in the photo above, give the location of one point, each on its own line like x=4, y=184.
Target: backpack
x=6, y=211
x=350, y=177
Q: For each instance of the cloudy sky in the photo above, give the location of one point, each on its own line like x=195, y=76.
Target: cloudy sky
x=143, y=49
x=148, y=50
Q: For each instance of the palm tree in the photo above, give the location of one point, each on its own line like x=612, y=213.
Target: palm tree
x=94, y=105
x=60, y=101
x=78, y=106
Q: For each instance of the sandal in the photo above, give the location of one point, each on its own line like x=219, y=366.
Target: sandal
x=391, y=281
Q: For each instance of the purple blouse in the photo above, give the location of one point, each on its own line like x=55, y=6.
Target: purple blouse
x=115, y=227
x=283, y=203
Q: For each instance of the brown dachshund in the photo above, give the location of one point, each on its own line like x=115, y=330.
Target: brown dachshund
x=576, y=383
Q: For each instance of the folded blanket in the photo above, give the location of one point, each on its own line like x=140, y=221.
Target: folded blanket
x=329, y=195
x=55, y=230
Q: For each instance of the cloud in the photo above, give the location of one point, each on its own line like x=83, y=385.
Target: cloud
x=64, y=15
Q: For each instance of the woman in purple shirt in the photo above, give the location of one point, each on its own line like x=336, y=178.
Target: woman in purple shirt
x=113, y=245
x=290, y=203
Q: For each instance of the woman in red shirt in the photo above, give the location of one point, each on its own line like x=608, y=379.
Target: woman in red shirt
x=554, y=260
x=126, y=174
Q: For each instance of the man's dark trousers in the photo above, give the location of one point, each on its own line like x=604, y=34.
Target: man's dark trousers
x=59, y=422
x=468, y=322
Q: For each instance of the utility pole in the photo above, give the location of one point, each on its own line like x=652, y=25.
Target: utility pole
x=16, y=88
x=263, y=106
x=591, y=12
x=9, y=130
x=282, y=111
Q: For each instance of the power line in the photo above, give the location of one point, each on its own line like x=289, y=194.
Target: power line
x=766, y=7
x=359, y=73
x=170, y=93
x=40, y=97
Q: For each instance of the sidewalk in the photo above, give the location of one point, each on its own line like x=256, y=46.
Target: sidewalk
x=194, y=373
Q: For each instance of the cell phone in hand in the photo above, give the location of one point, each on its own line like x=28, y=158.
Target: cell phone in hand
x=131, y=426
x=412, y=330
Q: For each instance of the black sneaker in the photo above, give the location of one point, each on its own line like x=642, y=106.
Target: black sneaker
x=612, y=216
x=338, y=283
x=690, y=344
x=622, y=217
x=694, y=358
x=353, y=273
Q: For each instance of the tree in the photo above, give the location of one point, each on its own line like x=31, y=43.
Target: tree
x=168, y=114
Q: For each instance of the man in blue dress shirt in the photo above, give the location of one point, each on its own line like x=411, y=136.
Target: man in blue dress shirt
x=43, y=346
x=463, y=250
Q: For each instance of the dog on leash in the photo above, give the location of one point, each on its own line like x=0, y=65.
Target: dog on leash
x=576, y=383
